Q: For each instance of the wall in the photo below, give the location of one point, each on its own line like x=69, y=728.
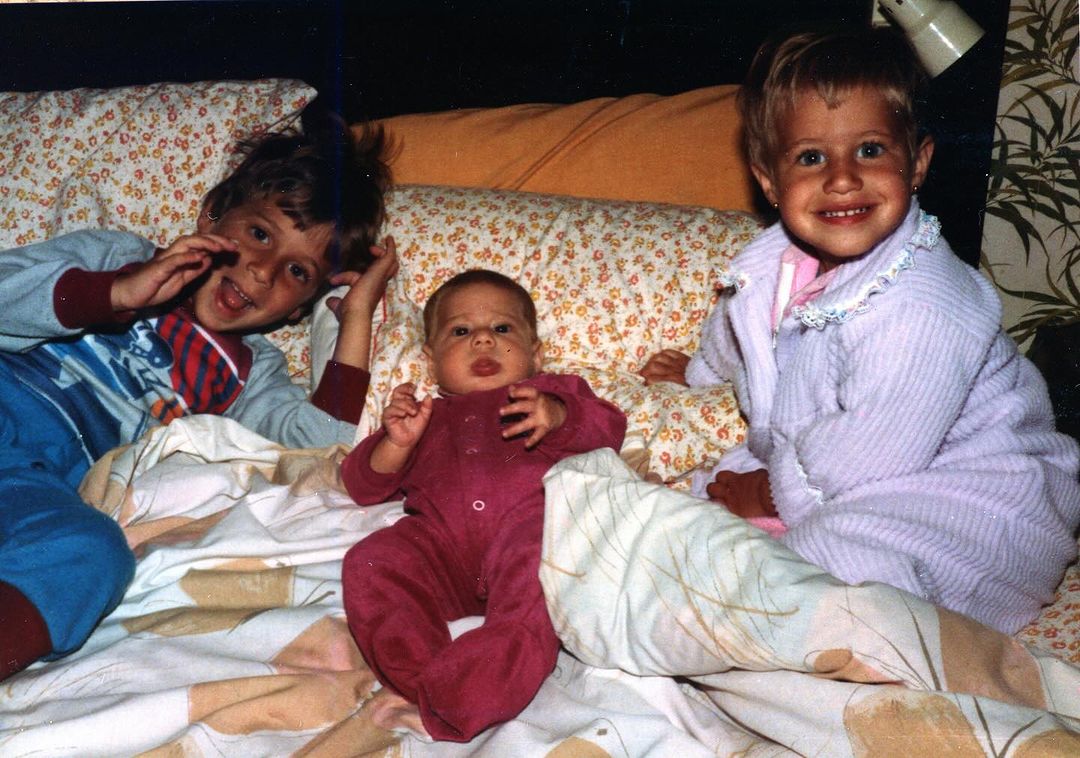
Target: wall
x=1031, y=234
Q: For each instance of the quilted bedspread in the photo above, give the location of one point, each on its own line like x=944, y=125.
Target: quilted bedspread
x=688, y=633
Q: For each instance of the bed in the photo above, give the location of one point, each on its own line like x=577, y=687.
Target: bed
x=686, y=631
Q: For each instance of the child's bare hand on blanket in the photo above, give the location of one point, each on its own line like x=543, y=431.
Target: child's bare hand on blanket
x=747, y=495
x=666, y=366
x=161, y=278
x=541, y=413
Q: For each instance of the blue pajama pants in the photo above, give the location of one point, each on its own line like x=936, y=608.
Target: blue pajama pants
x=71, y=561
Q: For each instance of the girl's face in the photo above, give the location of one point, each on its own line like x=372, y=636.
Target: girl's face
x=480, y=340
x=276, y=271
x=843, y=178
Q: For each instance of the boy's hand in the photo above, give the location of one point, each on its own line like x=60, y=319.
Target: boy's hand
x=161, y=278
x=366, y=289
x=355, y=310
x=747, y=495
x=542, y=413
x=666, y=366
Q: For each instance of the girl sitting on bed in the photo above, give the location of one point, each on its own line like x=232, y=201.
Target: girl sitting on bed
x=894, y=429
x=470, y=464
x=104, y=337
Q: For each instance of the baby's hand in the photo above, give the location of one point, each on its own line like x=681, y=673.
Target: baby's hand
x=366, y=289
x=747, y=495
x=161, y=278
x=405, y=418
x=666, y=366
x=542, y=413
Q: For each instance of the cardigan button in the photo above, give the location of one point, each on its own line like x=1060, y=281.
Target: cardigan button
x=478, y=505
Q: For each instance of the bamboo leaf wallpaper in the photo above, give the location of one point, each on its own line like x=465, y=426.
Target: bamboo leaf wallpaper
x=1031, y=234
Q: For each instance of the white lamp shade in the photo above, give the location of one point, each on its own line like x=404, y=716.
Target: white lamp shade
x=939, y=30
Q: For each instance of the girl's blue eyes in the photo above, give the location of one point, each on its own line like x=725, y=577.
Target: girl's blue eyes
x=810, y=158
x=871, y=150
x=817, y=157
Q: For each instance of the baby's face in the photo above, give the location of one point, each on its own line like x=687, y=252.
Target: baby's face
x=481, y=340
x=843, y=178
x=277, y=270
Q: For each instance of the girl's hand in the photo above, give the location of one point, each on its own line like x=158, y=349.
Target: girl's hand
x=405, y=418
x=161, y=278
x=542, y=413
x=666, y=366
x=747, y=495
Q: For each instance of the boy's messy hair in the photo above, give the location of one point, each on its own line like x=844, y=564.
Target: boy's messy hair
x=332, y=174
x=478, y=276
x=830, y=63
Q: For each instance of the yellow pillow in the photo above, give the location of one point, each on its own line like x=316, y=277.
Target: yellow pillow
x=681, y=149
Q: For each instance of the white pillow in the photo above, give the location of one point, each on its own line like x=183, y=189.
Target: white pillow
x=613, y=281
x=137, y=158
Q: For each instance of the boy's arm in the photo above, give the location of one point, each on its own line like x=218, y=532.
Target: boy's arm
x=59, y=287
x=341, y=391
x=273, y=406
x=345, y=378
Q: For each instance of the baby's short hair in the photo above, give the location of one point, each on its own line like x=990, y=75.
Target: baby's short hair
x=830, y=63
x=331, y=175
x=478, y=276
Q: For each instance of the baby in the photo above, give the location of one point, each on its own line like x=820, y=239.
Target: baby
x=470, y=464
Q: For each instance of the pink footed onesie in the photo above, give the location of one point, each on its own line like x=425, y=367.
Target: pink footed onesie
x=469, y=545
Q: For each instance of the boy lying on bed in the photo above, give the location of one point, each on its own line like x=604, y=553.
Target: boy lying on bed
x=104, y=337
x=471, y=464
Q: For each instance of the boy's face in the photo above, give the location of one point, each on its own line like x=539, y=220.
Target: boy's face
x=843, y=177
x=480, y=340
x=277, y=270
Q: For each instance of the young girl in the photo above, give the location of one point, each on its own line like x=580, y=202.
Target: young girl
x=894, y=430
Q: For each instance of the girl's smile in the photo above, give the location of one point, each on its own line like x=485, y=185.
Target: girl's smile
x=843, y=180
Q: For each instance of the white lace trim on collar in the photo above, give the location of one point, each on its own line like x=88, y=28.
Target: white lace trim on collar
x=926, y=236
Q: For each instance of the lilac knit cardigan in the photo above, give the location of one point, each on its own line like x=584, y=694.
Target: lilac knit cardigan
x=907, y=441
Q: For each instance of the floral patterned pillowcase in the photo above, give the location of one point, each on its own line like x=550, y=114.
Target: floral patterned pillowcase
x=613, y=281
x=137, y=158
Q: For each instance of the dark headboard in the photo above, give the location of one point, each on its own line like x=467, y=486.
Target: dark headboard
x=373, y=59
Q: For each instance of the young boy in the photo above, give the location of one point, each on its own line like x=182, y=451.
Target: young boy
x=104, y=337
x=470, y=464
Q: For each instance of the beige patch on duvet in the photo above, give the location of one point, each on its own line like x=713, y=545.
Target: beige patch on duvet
x=575, y=747
x=840, y=663
x=323, y=682
x=223, y=600
x=283, y=702
x=982, y=661
x=896, y=722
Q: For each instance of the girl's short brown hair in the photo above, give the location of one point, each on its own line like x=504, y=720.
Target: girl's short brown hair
x=830, y=63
